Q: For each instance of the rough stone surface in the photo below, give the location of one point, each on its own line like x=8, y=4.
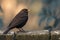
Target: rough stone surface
x=55, y=35
x=32, y=35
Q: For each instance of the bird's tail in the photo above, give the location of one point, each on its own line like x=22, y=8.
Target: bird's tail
x=5, y=32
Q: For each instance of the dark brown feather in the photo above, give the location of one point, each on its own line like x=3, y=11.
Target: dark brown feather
x=19, y=20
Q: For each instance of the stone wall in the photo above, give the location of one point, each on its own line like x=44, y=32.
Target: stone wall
x=32, y=35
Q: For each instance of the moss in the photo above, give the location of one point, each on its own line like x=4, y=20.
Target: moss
x=24, y=37
x=6, y=37
x=2, y=37
x=55, y=37
x=32, y=37
x=9, y=37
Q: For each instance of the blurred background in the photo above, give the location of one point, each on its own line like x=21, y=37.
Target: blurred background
x=43, y=14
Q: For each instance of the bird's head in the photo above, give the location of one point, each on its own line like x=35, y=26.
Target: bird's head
x=25, y=10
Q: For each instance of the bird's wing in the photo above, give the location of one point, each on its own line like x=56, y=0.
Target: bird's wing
x=18, y=19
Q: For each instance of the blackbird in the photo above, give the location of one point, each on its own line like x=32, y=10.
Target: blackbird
x=18, y=21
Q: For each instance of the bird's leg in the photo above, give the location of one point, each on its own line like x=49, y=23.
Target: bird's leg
x=20, y=30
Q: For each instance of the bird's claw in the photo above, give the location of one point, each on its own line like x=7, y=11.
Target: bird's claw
x=21, y=31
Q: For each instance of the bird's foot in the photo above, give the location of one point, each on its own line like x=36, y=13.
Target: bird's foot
x=21, y=31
